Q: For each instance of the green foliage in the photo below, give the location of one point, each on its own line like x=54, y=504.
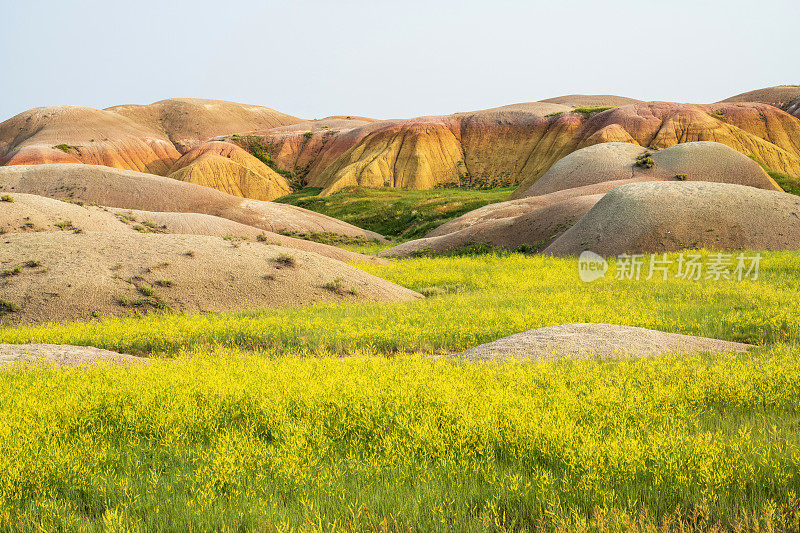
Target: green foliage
x=588, y=111
x=325, y=237
x=66, y=148
x=7, y=307
x=7, y=273
x=787, y=183
x=6, y=198
x=554, y=114
x=262, y=151
x=645, y=161
x=286, y=260
x=681, y=177
x=404, y=213
x=307, y=136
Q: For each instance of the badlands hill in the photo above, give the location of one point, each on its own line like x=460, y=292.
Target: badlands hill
x=517, y=144
x=778, y=96
x=136, y=190
x=149, y=138
x=575, y=184
x=191, y=121
x=59, y=276
x=671, y=216
x=29, y=213
x=230, y=169
x=514, y=144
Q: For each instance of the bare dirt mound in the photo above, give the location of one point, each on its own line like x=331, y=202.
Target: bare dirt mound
x=591, y=100
x=534, y=229
x=574, y=185
x=671, y=216
x=230, y=169
x=29, y=213
x=61, y=355
x=585, y=341
x=72, y=134
x=521, y=206
x=135, y=190
x=191, y=121
x=777, y=96
x=57, y=276
x=793, y=107
x=693, y=161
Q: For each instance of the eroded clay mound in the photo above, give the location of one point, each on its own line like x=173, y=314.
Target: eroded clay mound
x=793, y=107
x=577, y=182
x=59, y=276
x=692, y=161
x=228, y=168
x=671, y=216
x=61, y=355
x=584, y=341
x=307, y=147
x=135, y=190
x=191, y=121
x=777, y=96
x=29, y=213
x=73, y=134
x=535, y=228
x=762, y=131
x=592, y=100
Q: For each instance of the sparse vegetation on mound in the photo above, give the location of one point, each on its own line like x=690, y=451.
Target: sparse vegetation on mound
x=645, y=161
x=502, y=289
x=262, y=151
x=66, y=148
x=7, y=307
x=400, y=213
x=588, y=111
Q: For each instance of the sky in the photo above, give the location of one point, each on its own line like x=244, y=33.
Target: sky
x=381, y=59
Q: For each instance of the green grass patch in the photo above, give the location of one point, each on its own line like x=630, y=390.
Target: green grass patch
x=404, y=213
x=588, y=111
x=787, y=183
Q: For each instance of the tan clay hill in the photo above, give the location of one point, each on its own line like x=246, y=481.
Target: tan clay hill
x=135, y=190
x=778, y=96
x=148, y=138
x=574, y=185
x=188, y=122
x=672, y=216
x=72, y=134
x=62, y=276
x=582, y=341
x=29, y=213
x=230, y=169
x=591, y=100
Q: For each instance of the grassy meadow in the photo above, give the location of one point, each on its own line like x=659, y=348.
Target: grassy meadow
x=396, y=213
x=332, y=417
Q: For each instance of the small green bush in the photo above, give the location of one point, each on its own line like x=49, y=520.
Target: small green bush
x=6, y=198
x=7, y=307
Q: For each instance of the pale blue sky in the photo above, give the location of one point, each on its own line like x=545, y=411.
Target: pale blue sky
x=390, y=59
